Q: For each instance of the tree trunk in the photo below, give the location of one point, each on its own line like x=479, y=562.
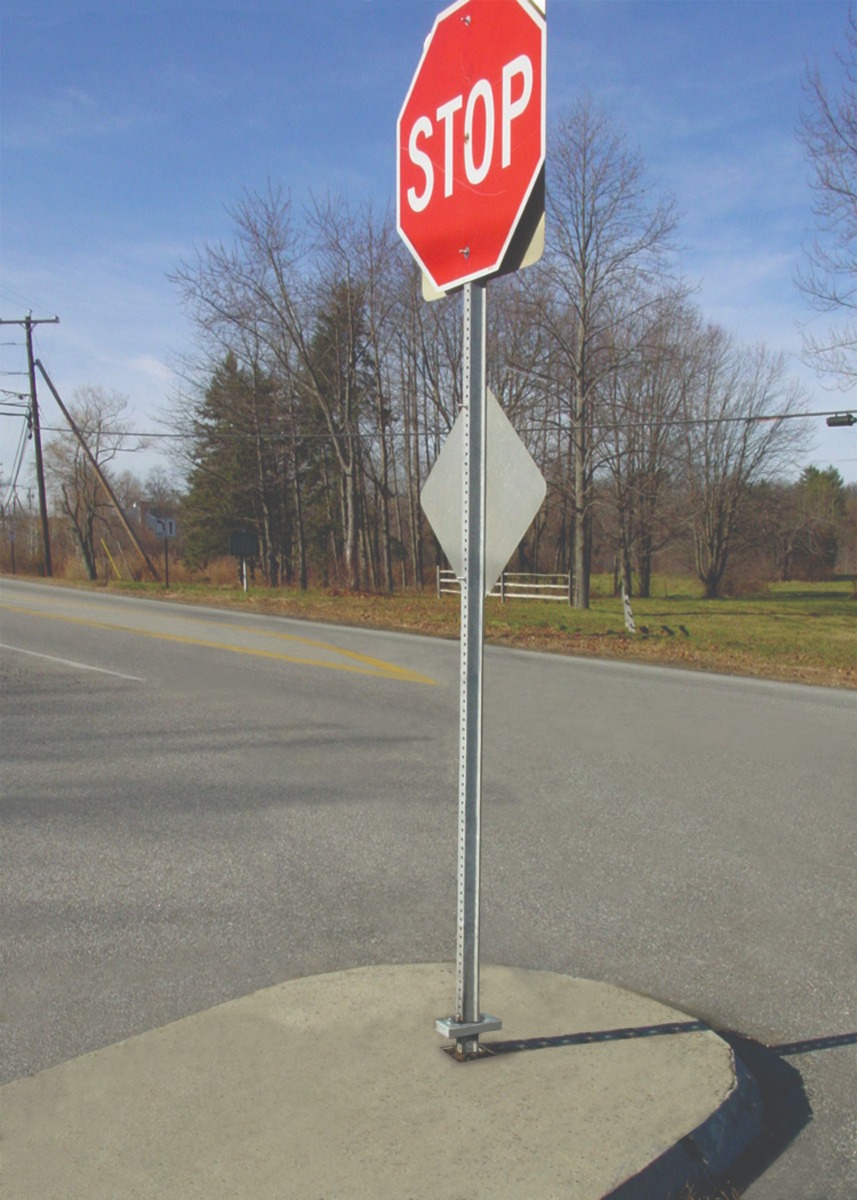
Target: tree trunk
x=644, y=566
x=582, y=518
x=351, y=531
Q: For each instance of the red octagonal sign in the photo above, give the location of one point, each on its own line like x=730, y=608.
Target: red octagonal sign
x=471, y=137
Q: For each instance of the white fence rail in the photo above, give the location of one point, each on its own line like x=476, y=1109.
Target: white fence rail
x=514, y=585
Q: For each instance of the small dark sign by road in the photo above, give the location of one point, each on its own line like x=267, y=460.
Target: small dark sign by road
x=243, y=544
x=164, y=527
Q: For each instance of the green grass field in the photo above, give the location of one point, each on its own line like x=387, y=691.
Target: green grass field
x=804, y=632
x=796, y=631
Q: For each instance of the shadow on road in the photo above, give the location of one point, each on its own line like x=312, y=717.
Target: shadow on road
x=785, y=1108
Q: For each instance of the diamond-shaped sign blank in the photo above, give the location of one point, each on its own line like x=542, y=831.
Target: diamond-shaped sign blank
x=515, y=489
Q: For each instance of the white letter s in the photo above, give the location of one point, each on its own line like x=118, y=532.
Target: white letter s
x=421, y=128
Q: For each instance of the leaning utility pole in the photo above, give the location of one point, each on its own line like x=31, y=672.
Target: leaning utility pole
x=93, y=461
x=28, y=322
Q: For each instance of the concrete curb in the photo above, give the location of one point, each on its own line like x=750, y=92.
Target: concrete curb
x=705, y=1155
x=337, y=1086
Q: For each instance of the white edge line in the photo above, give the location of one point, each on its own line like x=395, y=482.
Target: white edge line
x=66, y=662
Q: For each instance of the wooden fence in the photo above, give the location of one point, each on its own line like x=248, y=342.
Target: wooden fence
x=514, y=585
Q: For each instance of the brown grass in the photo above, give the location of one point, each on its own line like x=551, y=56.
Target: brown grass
x=802, y=633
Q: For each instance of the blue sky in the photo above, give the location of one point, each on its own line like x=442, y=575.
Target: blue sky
x=130, y=126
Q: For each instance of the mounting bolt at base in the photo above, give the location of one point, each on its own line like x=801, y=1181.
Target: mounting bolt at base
x=465, y=1034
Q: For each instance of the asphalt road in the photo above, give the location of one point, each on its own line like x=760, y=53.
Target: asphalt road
x=197, y=804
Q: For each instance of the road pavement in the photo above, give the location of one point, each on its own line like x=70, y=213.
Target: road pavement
x=199, y=804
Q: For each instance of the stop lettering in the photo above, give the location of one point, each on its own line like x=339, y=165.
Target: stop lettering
x=471, y=137
x=477, y=140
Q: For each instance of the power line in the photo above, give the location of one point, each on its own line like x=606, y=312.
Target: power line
x=226, y=434
x=19, y=462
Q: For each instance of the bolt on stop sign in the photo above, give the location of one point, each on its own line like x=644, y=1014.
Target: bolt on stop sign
x=471, y=138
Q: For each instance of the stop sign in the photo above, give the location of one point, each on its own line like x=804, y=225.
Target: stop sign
x=471, y=137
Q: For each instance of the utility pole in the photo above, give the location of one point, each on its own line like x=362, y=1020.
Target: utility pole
x=93, y=462
x=28, y=322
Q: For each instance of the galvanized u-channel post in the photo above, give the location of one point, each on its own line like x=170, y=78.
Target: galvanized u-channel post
x=468, y=1022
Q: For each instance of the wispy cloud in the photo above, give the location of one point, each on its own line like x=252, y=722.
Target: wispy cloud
x=67, y=116
x=155, y=370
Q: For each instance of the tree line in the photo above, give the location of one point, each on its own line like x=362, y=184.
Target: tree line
x=322, y=385
x=328, y=385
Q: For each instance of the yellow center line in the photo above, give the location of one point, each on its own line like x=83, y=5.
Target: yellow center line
x=388, y=668
x=361, y=664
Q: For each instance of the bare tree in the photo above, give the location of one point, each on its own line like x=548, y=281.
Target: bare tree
x=643, y=400
x=161, y=491
x=231, y=293
x=608, y=237
x=828, y=131
x=428, y=357
x=360, y=252
x=76, y=488
x=737, y=429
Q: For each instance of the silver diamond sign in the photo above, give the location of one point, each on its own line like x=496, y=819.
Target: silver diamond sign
x=515, y=489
